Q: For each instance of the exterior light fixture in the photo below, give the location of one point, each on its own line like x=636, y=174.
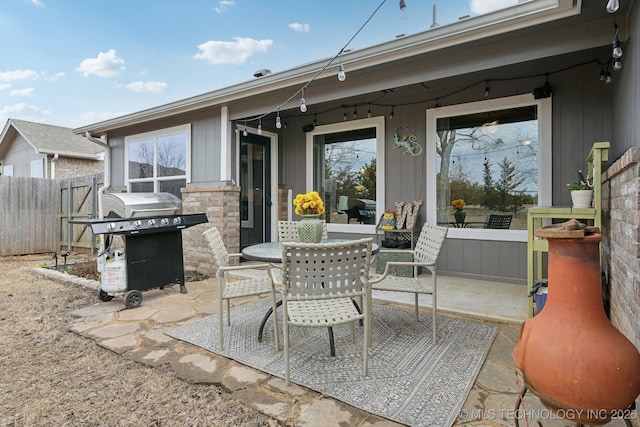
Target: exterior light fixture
x=278, y=122
x=303, y=103
x=617, y=50
x=617, y=64
x=612, y=6
x=342, y=76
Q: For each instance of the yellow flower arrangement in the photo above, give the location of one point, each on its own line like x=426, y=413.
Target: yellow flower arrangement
x=458, y=204
x=309, y=204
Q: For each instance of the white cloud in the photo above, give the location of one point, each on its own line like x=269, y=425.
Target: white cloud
x=4, y=86
x=11, y=76
x=22, y=92
x=107, y=64
x=22, y=111
x=223, y=5
x=485, y=6
x=155, y=87
x=56, y=76
x=237, y=52
x=299, y=28
x=37, y=3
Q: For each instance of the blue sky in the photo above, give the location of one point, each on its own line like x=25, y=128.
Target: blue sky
x=76, y=62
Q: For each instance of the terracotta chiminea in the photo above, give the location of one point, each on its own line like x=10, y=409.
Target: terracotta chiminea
x=570, y=355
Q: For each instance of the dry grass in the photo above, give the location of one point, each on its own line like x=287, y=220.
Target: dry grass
x=50, y=376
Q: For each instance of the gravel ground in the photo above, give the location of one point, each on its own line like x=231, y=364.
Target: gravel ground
x=50, y=376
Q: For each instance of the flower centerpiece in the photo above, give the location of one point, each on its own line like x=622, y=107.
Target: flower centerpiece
x=459, y=214
x=310, y=207
x=581, y=193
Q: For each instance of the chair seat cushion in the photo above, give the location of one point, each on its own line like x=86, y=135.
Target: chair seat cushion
x=402, y=284
x=322, y=313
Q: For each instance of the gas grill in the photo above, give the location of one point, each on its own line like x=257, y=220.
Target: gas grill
x=151, y=225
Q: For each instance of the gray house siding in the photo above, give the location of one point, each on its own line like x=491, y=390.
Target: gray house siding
x=20, y=155
x=205, y=147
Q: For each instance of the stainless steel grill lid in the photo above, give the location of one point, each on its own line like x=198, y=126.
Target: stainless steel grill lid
x=139, y=205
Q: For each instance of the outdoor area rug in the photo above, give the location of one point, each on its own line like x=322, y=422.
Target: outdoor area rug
x=410, y=380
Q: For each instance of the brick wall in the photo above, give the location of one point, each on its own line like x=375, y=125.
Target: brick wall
x=621, y=242
x=67, y=167
x=283, y=204
x=221, y=203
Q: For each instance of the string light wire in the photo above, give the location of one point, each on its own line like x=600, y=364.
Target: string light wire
x=301, y=90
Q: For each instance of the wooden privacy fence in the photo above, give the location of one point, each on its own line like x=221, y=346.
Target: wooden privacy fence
x=35, y=214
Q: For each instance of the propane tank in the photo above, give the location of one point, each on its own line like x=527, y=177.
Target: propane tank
x=114, y=275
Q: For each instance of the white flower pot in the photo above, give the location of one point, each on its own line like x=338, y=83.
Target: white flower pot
x=581, y=198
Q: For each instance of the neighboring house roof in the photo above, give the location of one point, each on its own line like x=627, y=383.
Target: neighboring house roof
x=49, y=139
x=526, y=15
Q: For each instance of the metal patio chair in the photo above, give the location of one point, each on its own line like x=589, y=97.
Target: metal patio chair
x=498, y=222
x=319, y=282
x=425, y=254
x=288, y=231
x=229, y=289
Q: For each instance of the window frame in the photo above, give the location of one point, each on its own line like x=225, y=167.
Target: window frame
x=378, y=123
x=155, y=135
x=544, y=106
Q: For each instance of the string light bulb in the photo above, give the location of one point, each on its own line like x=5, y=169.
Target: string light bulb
x=617, y=64
x=342, y=76
x=244, y=132
x=486, y=89
x=278, y=122
x=303, y=103
x=612, y=6
x=617, y=50
x=259, y=126
x=369, y=112
x=391, y=115
x=607, y=77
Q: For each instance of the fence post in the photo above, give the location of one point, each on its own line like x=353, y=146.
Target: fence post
x=69, y=214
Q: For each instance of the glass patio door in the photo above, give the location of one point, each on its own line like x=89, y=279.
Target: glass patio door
x=255, y=185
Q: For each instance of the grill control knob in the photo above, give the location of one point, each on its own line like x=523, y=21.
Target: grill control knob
x=164, y=221
x=111, y=226
x=177, y=220
x=137, y=223
x=152, y=223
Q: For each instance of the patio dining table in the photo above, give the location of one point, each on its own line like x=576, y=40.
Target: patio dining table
x=272, y=252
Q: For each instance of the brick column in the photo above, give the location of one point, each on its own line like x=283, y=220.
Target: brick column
x=621, y=246
x=221, y=203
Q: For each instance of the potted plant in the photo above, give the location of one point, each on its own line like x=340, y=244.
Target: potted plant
x=459, y=213
x=581, y=194
x=311, y=208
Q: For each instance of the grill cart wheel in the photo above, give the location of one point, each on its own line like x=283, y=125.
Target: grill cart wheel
x=103, y=296
x=133, y=298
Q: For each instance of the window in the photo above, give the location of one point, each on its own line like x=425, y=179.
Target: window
x=345, y=164
x=37, y=168
x=158, y=161
x=486, y=166
x=8, y=170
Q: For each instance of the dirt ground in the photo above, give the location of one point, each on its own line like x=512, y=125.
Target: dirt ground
x=50, y=376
